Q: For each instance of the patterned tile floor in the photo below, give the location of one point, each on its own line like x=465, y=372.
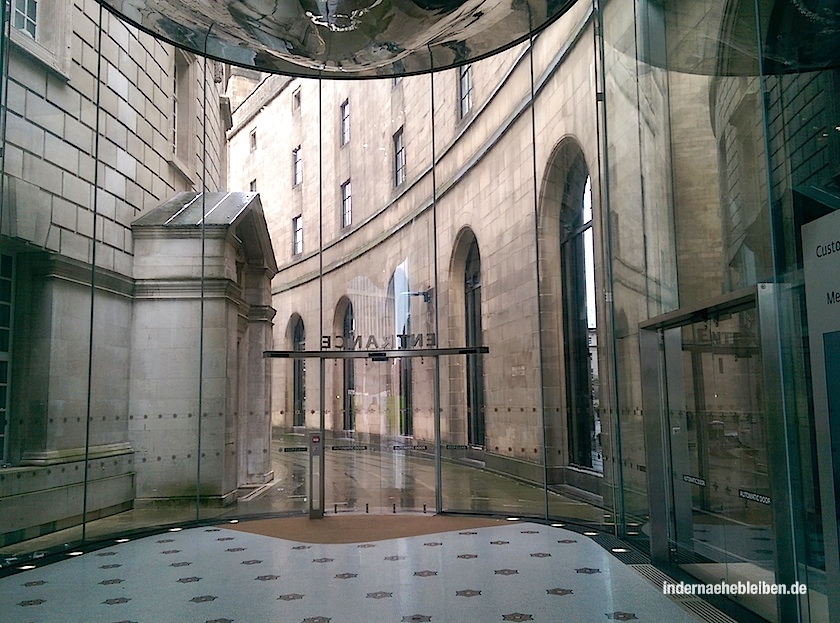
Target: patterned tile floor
x=521, y=571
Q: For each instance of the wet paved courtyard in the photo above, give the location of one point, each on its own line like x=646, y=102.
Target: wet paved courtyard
x=377, y=479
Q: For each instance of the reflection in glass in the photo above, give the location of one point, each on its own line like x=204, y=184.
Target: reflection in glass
x=723, y=519
x=399, y=311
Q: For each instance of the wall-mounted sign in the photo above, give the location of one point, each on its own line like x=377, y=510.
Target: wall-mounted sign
x=455, y=447
x=297, y=449
x=409, y=447
x=349, y=447
x=821, y=260
x=694, y=480
x=404, y=341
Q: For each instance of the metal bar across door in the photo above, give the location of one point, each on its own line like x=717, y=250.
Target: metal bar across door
x=375, y=355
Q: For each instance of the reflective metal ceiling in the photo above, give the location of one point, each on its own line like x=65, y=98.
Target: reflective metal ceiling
x=342, y=38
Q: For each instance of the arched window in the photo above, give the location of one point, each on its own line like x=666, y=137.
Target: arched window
x=348, y=331
x=475, y=369
x=577, y=256
x=299, y=376
x=399, y=297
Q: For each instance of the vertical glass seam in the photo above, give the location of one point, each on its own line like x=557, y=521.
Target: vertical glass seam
x=95, y=205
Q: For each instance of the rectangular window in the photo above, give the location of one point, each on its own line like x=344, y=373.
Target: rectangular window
x=26, y=16
x=6, y=298
x=297, y=235
x=399, y=158
x=296, y=100
x=346, y=205
x=43, y=28
x=297, y=166
x=253, y=186
x=252, y=138
x=465, y=89
x=345, y=122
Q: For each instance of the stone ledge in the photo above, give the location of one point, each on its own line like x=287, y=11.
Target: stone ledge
x=68, y=455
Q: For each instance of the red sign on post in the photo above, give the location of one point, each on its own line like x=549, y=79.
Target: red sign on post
x=314, y=444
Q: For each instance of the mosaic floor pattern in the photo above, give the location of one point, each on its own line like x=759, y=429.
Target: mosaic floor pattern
x=521, y=571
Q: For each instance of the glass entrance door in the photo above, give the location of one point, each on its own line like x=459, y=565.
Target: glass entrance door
x=380, y=442
x=721, y=519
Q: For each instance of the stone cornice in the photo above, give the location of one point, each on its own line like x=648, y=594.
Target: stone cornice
x=54, y=266
x=186, y=289
x=261, y=313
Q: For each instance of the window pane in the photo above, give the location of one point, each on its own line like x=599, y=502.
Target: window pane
x=6, y=266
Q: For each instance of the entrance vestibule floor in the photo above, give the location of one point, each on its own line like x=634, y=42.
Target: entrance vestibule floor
x=349, y=569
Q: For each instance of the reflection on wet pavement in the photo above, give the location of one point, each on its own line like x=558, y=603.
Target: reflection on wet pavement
x=379, y=479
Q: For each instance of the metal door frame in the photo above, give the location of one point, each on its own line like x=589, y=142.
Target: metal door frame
x=316, y=498
x=765, y=298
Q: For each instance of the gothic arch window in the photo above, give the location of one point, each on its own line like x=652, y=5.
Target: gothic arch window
x=474, y=367
x=349, y=372
x=299, y=375
x=580, y=343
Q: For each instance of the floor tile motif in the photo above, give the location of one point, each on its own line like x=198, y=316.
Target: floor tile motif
x=587, y=570
x=467, y=593
x=32, y=602
x=540, y=574
x=380, y=595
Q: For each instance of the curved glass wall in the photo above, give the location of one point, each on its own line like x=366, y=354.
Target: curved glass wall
x=565, y=282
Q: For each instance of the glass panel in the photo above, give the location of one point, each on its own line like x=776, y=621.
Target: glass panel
x=720, y=463
x=671, y=163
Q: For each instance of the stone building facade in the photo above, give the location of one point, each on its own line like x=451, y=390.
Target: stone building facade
x=613, y=210
x=100, y=352
x=579, y=264
x=410, y=236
